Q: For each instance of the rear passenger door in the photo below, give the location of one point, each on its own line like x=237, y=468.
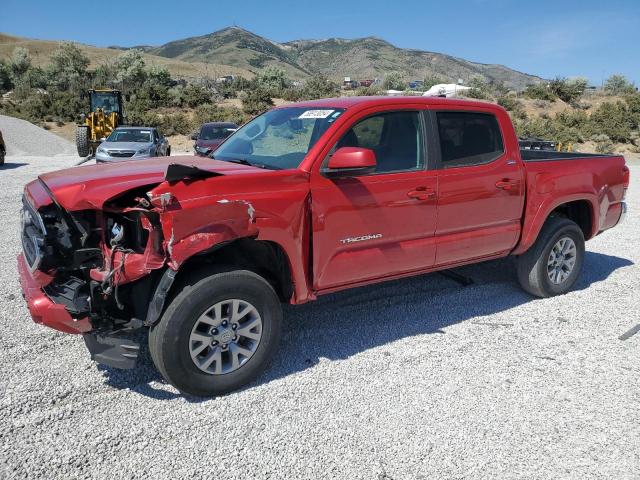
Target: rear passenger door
x=481, y=186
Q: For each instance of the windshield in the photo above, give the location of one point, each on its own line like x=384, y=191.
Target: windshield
x=216, y=132
x=278, y=139
x=107, y=101
x=130, y=135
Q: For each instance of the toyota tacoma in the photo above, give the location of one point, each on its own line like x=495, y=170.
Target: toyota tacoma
x=304, y=200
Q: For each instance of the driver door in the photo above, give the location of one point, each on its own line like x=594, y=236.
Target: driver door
x=381, y=224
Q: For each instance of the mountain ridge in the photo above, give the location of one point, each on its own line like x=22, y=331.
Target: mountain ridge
x=239, y=51
x=365, y=57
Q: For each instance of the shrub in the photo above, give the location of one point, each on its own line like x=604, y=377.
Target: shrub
x=368, y=91
x=272, y=79
x=5, y=77
x=394, y=81
x=619, y=85
x=568, y=91
x=175, y=124
x=613, y=120
x=256, y=101
x=194, y=95
x=539, y=92
x=319, y=87
x=603, y=144
x=477, y=94
x=215, y=113
x=509, y=102
x=431, y=80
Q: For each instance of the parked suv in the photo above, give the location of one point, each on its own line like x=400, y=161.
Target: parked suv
x=211, y=135
x=132, y=143
x=304, y=200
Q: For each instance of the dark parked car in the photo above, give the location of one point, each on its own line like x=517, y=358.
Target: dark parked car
x=211, y=135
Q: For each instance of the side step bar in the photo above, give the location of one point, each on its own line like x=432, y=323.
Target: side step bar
x=112, y=350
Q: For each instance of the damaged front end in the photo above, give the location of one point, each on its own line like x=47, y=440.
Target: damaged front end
x=93, y=271
x=105, y=271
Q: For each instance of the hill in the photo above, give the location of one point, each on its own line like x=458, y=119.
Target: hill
x=40, y=52
x=369, y=57
x=235, y=51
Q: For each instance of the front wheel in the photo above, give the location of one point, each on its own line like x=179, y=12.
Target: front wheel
x=552, y=265
x=218, y=333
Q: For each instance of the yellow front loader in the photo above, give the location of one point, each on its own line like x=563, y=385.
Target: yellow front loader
x=105, y=114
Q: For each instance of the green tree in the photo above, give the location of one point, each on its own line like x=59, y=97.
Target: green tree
x=317, y=87
x=619, y=85
x=104, y=76
x=158, y=75
x=272, y=79
x=130, y=69
x=568, y=91
x=20, y=63
x=394, y=81
x=5, y=77
x=539, y=91
x=68, y=68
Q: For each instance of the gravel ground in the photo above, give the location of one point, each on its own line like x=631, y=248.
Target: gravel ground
x=24, y=138
x=413, y=379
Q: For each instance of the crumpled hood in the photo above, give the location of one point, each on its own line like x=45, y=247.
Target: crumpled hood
x=133, y=146
x=89, y=187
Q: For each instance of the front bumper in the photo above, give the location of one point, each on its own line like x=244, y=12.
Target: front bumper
x=42, y=309
x=104, y=158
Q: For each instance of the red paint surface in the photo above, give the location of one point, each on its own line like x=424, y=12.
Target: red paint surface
x=42, y=309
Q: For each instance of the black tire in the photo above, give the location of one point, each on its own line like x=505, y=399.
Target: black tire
x=1, y=157
x=82, y=141
x=169, y=338
x=532, y=265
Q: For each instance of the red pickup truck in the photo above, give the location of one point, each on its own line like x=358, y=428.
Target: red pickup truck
x=306, y=199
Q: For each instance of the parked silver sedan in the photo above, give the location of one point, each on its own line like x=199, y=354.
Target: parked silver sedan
x=132, y=143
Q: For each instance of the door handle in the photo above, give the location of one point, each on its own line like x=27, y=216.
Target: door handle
x=507, y=184
x=422, y=193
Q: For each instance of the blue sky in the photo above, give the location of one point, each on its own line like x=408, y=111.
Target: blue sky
x=586, y=38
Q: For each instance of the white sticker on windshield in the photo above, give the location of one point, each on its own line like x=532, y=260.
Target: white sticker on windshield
x=145, y=131
x=316, y=114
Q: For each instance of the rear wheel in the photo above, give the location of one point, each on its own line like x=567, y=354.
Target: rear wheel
x=1, y=157
x=552, y=265
x=218, y=333
x=82, y=141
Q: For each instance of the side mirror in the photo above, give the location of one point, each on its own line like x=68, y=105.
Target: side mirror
x=350, y=162
x=194, y=136
x=103, y=139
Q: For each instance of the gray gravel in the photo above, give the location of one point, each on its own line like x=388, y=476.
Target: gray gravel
x=24, y=138
x=414, y=379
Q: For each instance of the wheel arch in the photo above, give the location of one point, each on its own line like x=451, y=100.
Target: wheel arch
x=262, y=257
x=582, y=209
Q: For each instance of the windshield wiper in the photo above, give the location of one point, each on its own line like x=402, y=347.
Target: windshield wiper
x=244, y=161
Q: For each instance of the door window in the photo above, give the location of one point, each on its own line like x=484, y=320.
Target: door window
x=395, y=137
x=468, y=138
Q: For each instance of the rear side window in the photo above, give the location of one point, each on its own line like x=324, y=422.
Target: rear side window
x=468, y=138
